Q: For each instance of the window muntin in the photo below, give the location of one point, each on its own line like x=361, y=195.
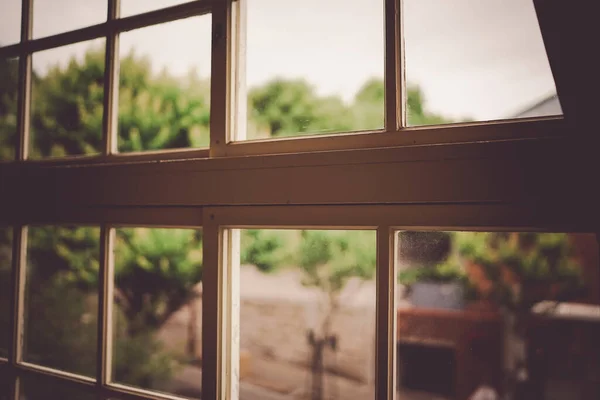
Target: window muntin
x=6, y=244
x=38, y=388
x=67, y=100
x=307, y=310
x=10, y=22
x=164, y=90
x=463, y=64
x=157, y=310
x=61, y=298
x=9, y=76
x=51, y=17
x=289, y=93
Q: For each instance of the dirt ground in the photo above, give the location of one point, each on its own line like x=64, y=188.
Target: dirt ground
x=271, y=380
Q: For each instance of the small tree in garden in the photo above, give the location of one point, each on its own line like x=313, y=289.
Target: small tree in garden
x=329, y=259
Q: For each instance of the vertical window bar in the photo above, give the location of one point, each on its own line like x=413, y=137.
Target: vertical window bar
x=212, y=310
x=17, y=300
x=220, y=85
x=111, y=84
x=385, y=368
x=395, y=113
x=24, y=99
x=105, y=296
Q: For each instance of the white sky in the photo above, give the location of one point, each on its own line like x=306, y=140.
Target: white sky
x=482, y=59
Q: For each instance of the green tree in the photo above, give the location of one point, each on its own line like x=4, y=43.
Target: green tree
x=368, y=108
x=289, y=107
x=156, y=111
x=416, y=112
x=328, y=261
x=156, y=271
x=161, y=111
x=9, y=69
x=67, y=104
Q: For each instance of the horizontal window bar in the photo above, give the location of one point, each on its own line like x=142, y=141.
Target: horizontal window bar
x=457, y=133
x=174, y=217
x=62, y=379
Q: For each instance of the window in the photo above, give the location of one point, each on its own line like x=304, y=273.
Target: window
x=11, y=17
x=306, y=313
x=160, y=230
x=61, y=298
x=164, y=98
x=287, y=94
x=134, y=83
x=157, y=310
x=67, y=125
x=49, y=20
x=461, y=49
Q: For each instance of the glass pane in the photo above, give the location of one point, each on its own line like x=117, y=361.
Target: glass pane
x=471, y=60
x=61, y=298
x=10, y=22
x=157, y=316
x=508, y=313
x=164, y=94
x=314, y=67
x=5, y=279
x=67, y=100
x=42, y=388
x=132, y=7
x=57, y=16
x=307, y=314
x=9, y=76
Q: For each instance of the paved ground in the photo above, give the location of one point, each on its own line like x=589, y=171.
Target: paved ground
x=280, y=381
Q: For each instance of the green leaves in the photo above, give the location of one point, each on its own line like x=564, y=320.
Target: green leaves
x=330, y=258
x=156, y=270
x=266, y=249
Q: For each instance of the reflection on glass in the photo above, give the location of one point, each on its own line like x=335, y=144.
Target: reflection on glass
x=5, y=269
x=307, y=314
x=157, y=315
x=132, y=7
x=164, y=92
x=517, y=314
x=10, y=22
x=67, y=100
x=51, y=17
x=61, y=298
x=314, y=67
x=470, y=60
x=41, y=388
x=9, y=76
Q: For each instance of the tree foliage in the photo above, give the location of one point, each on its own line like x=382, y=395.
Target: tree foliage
x=156, y=271
x=9, y=69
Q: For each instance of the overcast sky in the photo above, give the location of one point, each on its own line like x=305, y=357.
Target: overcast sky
x=482, y=59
